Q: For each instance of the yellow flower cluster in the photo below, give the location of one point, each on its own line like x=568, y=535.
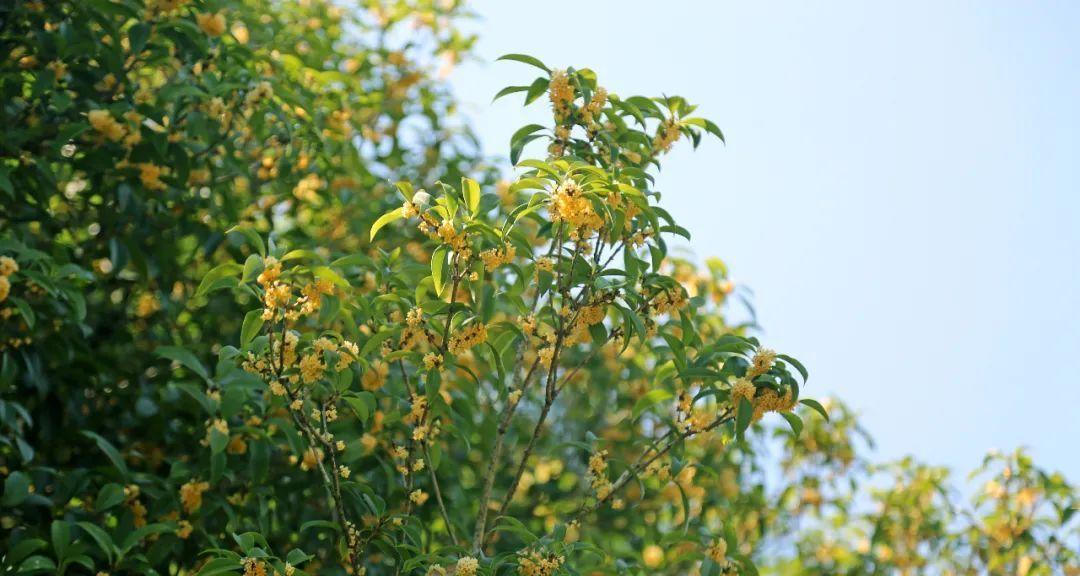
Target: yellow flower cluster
x=473, y=334
x=163, y=7
x=771, y=401
x=666, y=135
x=466, y=566
x=8, y=266
x=375, y=376
x=762, y=362
x=535, y=563
x=312, y=368
x=106, y=125
x=262, y=91
x=268, y=168
x=662, y=471
x=595, y=105
x=418, y=497
x=191, y=495
x=212, y=24
x=768, y=401
x=496, y=257
x=717, y=551
x=668, y=301
x=313, y=293
x=593, y=314
x=253, y=567
x=131, y=499
x=561, y=94
x=415, y=317
x=401, y=456
x=271, y=272
x=587, y=316
x=433, y=361
x=598, y=479
x=569, y=204
x=685, y=403
x=347, y=351
x=312, y=457
x=417, y=408
x=150, y=175
x=147, y=305
x=458, y=241
x=528, y=325
x=743, y=388
x=688, y=420
x=277, y=297
x=307, y=189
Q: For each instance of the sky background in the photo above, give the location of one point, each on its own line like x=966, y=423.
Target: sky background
x=900, y=188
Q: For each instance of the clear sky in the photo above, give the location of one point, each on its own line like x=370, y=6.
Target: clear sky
x=900, y=188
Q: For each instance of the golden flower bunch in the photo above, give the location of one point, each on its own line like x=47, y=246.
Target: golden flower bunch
x=8, y=266
x=569, y=204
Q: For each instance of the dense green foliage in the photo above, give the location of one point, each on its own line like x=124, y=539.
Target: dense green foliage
x=264, y=309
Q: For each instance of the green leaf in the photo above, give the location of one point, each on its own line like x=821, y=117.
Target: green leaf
x=363, y=404
x=25, y=311
x=327, y=273
x=798, y=366
x=35, y=564
x=395, y=214
x=184, y=357
x=138, y=535
x=301, y=254
x=515, y=526
x=23, y=549
x=16, y=489
x=816, y=406
x=251, y=236
x=538, y=87
x=252, y=267
x=471, y=190
x=210, y=281
x=328, y=525
x=742, y=417
x=110, y=495
x=297, y=557
x=218, y=441
x=509, y=90
x=253, y=322
x=110, y=451
x=5, y=179
x=104, y=541
x=438, y=268
x=137, y=37
x=520, y=138
x=794, y=421
x=525, y=59
x=650, y=399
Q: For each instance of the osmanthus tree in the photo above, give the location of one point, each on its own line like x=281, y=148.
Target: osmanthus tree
x=532, y=389
x=1020, y=520
x=263, y=309
x=137, y=133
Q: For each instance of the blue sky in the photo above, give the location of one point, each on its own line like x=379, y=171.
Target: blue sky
x=900, y=189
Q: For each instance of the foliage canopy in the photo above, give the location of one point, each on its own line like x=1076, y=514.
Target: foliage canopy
x=265, y=309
